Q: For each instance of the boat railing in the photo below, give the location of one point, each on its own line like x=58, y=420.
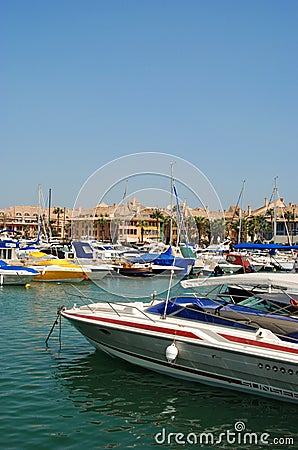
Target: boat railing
x=119, y=308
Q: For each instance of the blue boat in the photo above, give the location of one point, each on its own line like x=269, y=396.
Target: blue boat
x=163, y=262
x=16, y=275
x=250, y=314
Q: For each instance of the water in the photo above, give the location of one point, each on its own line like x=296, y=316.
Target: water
x=77, y=398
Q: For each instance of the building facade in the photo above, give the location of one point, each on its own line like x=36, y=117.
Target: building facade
x=132, y=222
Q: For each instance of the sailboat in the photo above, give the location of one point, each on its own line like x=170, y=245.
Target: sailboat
x=277, y=258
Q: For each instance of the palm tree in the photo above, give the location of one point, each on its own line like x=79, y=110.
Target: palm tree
x=101, y=222
x=4, y=218
x=58, y=211
x=142, y=224
x=67, y=227
x=159, y=217
x=289, y=217
x=270, y=214
x=203, y=227
x=257, y=228
x=166, y=228
x=26, y=229
x=234, y=229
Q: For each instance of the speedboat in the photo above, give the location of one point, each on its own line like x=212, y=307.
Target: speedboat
x=16, y=275
x=172, y=336
x=166, y=263
x=280, y=288
x=55, y=269
x=84, y=255
x=134, y=269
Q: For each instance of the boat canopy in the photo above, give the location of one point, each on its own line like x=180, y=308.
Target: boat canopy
x=258, y=246
x=82, y=249
x=166, y=258
x=281, y=280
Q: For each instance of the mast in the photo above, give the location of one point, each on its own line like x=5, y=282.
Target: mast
x=124, y=228
x=171, y=217
x=240, y=212
x=39, y=214
x=49, y=213
x=275, y=212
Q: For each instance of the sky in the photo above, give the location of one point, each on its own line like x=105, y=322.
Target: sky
x=86, y=82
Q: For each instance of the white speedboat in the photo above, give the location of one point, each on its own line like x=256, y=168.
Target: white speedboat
x=281, y=288
x=16, y=275
x=167, y=337
x=84, y=256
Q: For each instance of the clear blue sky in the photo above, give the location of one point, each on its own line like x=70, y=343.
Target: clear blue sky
x=83, y=82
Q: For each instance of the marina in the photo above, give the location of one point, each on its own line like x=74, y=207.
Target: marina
x=54, y=397
x=189, y=309
x=149, y=225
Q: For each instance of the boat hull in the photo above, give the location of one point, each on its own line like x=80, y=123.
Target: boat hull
x=58, y=275
x=15, y=279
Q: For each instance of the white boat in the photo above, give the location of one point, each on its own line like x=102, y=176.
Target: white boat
x=227, y=267
x=84, y=255
x=16, y=275
x=274, y=286
x=165, y=336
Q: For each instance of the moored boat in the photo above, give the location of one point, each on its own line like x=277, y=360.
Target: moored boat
x=250, y=359
x=16, y=275
x=54, y=269
x=134, y=270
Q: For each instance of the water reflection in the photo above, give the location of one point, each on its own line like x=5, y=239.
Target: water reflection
x=121, y=397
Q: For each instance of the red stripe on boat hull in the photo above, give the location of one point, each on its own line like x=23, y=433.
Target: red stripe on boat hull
x=141, y=326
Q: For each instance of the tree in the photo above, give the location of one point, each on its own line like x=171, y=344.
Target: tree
x=289, y=217
x=257, y=228
x=270, y=214
x=3, y=217
x=67, y=227
x=142, y=224
x=26, y=229
x=169, y=228
x=101, y=222
x=234, y=229
x=217, y=229
x=159, y=217
x=58, y=211
x=203, y=227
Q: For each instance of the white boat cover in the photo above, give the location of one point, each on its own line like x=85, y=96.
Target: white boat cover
x=271, y=279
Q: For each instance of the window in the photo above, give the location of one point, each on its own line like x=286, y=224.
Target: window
x=280, y=229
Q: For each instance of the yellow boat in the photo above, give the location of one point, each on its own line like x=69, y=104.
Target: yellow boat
x=54, y=269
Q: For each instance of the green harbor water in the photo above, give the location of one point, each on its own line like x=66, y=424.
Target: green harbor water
x=74, y=397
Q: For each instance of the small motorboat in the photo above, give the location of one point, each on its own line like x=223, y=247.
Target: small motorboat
x=134, y=269
x=16, y=275
x=191, y=338
x=51, y=268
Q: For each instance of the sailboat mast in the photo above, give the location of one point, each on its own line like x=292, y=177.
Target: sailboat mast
x=39, y=213
x=49, y=215
x=275, y=212
x=124, y=228
x=240, y=212
x=171, y=217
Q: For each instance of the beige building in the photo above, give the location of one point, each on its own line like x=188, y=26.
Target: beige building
x=27, y=220
x=133, y=222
